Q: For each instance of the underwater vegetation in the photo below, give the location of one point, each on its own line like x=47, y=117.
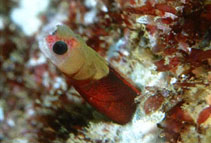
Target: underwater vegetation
x=162, y=46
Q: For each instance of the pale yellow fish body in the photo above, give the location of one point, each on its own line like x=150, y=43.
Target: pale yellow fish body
x=80, y=62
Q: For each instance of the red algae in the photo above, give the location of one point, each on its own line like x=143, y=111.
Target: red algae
x=165, y=8
x=204, y=115
x=177, y=113
x=175, y=122
x=181, y=50
x=161, y=66
x=177, y=40
x=182, y=36
x=198, y=57
x=153, y=103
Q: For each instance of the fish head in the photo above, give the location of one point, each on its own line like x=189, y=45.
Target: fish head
x=63, y=48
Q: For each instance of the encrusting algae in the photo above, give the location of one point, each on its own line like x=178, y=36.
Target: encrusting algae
x=164, y=47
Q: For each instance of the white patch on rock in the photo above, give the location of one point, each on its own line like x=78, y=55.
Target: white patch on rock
x=1, y=23
x=59, y=83
x=143, y=130
x=104, y=132
x=1, y=114
x=144, y=76
x=142, y=20
x=26, y=15
x=37, y=61
x=46, y=79
x=20, y=140
x=90, y=3
x=173, y=80
x=90, y=16
x=104, y=8
x=10, y=122
x=171, y=15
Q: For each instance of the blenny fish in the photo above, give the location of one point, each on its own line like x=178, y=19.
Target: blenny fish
x=91, y=75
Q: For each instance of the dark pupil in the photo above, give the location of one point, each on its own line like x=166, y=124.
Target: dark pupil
x=60, y=47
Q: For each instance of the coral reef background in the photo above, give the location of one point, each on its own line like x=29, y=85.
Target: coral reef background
x=163, y=46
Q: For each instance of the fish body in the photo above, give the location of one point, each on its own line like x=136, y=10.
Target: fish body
x=112, y=95
x=97, y=82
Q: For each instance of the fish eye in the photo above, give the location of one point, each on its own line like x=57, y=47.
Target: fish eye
x=60, y=48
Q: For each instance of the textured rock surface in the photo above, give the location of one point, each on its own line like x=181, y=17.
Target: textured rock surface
x=163, y=46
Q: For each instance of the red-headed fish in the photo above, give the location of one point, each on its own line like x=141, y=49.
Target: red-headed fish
x=91, y=75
